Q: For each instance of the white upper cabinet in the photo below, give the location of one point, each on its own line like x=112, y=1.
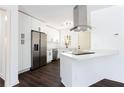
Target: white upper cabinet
x=35, y=24
x=43, y=27
x=55, y=36
x=52, y=34
x=49, y=34
x=109, y=28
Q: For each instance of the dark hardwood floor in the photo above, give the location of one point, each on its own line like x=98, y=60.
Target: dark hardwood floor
x=1, y=82
x=46, y=76
x=107, y=83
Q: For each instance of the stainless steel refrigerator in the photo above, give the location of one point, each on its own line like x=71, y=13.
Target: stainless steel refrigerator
x=38, y=49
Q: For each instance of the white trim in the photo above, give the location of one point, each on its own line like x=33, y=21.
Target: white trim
x=48, y=25
x=15, y=83
x=2, y=76
x=24, y=70
x=31, y=16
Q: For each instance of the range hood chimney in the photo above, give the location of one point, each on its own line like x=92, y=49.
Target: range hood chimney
x=80, y=19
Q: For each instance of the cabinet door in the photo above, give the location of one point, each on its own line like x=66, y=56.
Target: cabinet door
x=56, y=36
x=25, y=47
x=43, y=27
x=49, y=34
x=35, y=24
x=49, y=56
x=27, y=43
x=20, y=46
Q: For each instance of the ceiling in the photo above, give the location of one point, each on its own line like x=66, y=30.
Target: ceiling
x=56, y=15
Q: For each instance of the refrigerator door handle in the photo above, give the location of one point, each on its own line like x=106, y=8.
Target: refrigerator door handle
x=36, y=47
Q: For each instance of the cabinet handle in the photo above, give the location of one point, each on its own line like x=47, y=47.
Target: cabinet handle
x=116, y=34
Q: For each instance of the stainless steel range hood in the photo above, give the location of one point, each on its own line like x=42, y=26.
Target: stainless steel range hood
x=80, y=19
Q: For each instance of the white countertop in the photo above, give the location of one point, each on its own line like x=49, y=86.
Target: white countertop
x=98, y=53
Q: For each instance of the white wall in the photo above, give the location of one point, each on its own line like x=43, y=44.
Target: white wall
x=2, y=30
x=108, y=22
x=10, y=50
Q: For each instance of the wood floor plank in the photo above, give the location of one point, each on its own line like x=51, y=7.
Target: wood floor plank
x=1, y=82
x=108, y=83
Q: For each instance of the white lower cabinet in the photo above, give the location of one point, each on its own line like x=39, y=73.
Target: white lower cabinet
x=49, y=56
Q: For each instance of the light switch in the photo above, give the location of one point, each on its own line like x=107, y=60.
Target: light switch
x=22, y=36
x=22, y=42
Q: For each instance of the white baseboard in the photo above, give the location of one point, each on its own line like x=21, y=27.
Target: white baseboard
x=13, y=84
x=24, y=70
x=17, y=82
x=2, y=76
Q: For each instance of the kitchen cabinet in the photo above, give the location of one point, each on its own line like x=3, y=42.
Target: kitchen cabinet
x=85, y=70
x=43, y=27
x=49, y=55
x=24, y=47
x=56, y=36
x=35, y=24
x=20, y=46
x=53, y=35
x=49, y=34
